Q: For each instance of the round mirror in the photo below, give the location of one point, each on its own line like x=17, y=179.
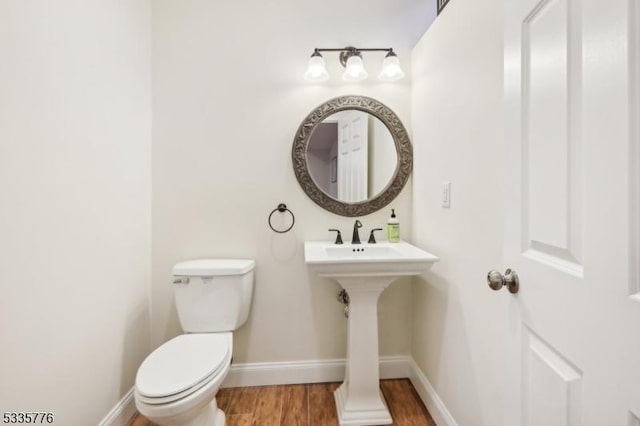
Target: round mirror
x=352, y=155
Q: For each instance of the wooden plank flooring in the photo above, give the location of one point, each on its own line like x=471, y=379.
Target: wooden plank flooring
x=308, y=405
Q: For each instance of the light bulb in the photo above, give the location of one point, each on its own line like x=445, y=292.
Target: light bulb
x=391, y=70
x=354, y=70
x=316, y=70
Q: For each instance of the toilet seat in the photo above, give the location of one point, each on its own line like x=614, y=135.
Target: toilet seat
x=183, y=365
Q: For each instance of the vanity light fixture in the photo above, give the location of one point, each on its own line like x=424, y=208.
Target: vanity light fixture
x=316, y=70
x=391, y=70
x=351, y=60
x=354, y=70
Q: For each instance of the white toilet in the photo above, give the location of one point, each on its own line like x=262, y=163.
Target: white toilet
x=177, y=383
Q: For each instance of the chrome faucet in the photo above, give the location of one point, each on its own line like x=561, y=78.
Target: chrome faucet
x=356, y=236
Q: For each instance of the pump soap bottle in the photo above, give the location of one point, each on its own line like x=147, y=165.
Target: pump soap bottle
x=393, y=228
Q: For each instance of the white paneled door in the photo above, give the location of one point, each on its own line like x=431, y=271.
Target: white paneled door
x=571, y=98
x=353, y=143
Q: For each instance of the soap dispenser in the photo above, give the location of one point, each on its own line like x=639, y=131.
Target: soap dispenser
x=393, y=228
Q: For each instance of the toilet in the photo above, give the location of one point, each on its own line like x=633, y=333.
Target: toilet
x=177, y=383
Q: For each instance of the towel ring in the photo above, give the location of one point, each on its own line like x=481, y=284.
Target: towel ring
x=282, y=208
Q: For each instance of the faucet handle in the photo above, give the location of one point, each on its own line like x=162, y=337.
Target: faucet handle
x=372, y=238
x=338, y=237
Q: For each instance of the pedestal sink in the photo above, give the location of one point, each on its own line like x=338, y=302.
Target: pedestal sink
x=364, y=271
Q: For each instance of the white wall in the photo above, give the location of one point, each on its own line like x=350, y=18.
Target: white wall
x=75, y=147
x=457, y=130
x=228, y=99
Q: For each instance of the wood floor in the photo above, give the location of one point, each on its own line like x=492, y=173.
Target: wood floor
x=308, y=405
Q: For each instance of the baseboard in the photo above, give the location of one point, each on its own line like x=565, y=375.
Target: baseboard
x=122, y=412
x=429, y=397
x=286, y=373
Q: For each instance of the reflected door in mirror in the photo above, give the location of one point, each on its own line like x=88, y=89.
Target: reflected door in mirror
x=352, y=156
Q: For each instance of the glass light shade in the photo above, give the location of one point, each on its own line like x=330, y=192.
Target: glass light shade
x=355, y=69
x=316, y=70
x=391, y=70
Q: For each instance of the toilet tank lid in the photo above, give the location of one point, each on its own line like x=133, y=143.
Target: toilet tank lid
x=213, y=267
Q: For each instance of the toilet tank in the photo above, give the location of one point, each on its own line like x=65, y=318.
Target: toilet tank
x=213, y=295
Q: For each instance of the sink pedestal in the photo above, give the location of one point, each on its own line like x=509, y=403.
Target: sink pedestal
x=358, y=400
x=364, y=271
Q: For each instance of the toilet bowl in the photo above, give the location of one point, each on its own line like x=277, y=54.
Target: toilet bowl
x=177, y=383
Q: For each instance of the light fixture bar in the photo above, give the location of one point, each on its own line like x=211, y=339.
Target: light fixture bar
x=350, y=49
x=351, y=59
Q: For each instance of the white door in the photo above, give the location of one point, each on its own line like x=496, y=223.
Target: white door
x=571, y=98
x=353, y=156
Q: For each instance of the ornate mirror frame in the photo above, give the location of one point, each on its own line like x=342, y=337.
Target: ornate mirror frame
x=400, y=136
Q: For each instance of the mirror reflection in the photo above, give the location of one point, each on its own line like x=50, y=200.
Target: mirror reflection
x=352, y=156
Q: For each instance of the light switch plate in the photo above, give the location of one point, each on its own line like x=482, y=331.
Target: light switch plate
x=446, y=195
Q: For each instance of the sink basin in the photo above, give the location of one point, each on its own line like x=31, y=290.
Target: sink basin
x=365, y=260
x=364, y=271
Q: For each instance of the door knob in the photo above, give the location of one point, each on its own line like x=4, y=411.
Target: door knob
x=510, y=279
